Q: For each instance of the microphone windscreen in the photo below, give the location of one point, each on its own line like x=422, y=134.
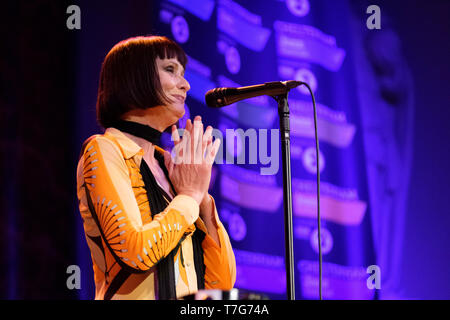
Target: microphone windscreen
x=215, y=98
x=211, y=98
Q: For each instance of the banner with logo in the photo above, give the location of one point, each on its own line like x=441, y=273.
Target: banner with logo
x=240, y=43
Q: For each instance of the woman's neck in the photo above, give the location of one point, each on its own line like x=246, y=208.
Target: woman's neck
x=155, y=117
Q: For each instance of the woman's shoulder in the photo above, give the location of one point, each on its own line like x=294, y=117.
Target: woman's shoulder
x=99, y=152
x=103, y=143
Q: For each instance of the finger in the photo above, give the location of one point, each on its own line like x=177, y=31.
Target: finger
x=175, y=135
x=206, y=137
x=188, y=125
x=212, y=152
x=181, y=146
x=189, y=145
x=206, y=142
x=215, y=148
x=177, y=153
x=207, y=154
x=208, y=132
x=182, y=149
x=198, y=137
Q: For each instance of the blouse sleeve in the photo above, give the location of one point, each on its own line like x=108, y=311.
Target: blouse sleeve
x=103, y=170
x=220, y=264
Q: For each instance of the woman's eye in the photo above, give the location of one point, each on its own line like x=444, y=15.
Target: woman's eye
x=170, y=69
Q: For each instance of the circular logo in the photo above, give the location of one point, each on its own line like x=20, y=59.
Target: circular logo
x=309, y=160
x=237, y=227
x=326, y=240
x=232, y=60
x=299, y=8
x=225, y=214
x=180, y=29
x=307, y=76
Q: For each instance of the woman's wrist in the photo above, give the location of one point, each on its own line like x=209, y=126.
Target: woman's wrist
x=198, y=197
x=206, y=200
x=206, y=208
x=207, y=214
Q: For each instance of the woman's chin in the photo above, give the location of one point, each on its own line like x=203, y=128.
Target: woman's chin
x=175, y=113
x=181, y=113
x=184, y=112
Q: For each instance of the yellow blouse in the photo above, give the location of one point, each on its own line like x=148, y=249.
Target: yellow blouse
x=109, y=166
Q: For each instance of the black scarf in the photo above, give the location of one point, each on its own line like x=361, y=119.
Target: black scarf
x=155, y=194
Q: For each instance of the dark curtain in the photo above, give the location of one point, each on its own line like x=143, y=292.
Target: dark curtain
x=36, y=108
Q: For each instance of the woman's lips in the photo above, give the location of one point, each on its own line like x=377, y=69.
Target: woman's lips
x=179, y=98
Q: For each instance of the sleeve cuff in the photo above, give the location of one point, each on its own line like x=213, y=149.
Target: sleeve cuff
x=187, y=207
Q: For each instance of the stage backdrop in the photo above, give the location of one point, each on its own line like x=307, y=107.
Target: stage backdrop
x=238, y=43
x=363, y=92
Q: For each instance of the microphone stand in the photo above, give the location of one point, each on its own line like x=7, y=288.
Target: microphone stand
x=220, y=97
x=283, y=112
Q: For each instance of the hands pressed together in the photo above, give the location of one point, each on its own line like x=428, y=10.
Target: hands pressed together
x=190, y=169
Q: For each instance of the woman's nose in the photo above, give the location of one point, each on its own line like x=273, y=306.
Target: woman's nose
x=184, y=84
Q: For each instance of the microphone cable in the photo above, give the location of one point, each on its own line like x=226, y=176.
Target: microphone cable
x=213, y=101
x=318, y=189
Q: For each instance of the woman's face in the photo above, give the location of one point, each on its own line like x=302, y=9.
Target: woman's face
x=173, y=84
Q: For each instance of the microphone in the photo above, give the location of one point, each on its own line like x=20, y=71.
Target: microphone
x=220, y=97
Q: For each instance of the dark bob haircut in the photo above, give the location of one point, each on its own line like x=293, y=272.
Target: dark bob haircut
x=129, y=77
